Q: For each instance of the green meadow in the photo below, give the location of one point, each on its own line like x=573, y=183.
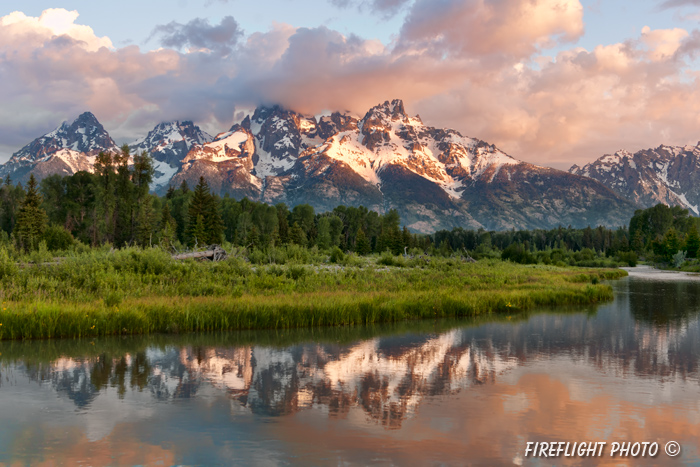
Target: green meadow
x=99, y=292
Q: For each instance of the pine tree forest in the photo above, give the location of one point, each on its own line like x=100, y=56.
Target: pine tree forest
x=113, y=205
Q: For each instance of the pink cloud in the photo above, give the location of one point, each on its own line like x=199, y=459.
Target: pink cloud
x=513, y=28
x=477, y=66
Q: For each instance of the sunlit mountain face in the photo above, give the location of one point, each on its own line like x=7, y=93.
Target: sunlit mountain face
x=436, y=178
x=431, y=391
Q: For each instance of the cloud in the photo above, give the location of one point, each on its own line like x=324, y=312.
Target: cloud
x=510, y=28
x=678, y=3
x=581, y=104
x=476, y=66
x=17, y=27
x=198, y=34
x=386, y=8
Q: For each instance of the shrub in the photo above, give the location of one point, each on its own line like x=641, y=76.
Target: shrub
x=337, y=255
x=297, y=254
x=256, y=256
x=678, y=259
x=629, y=257
x=58, y=238
x=296, y=272
x=112, y=299
x=41, y=254
x=8, y=267
x=387, y=259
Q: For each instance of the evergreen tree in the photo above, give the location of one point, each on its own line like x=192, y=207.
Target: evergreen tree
x=125, y=209
x=336, y=225
x=406, y=237
x=12, y=197
x=362, y=245
x=671, y=244
x=253, y=239
x=146, y=222
x=692, y=242
x=103, y=213
x=142, y=174
x=297, y=235
x=323, y=240
x=170, y=193
x=196, y=212
x=31, y=219
x=197, y=233
x=206, y=206
x=283, y=223
x=184, y=187
x=212, y=221
x=168, y=227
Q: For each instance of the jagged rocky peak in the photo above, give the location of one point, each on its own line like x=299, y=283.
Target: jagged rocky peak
x=266, y=118
x=665, y=174
x=381, y=120
x=393, y=110
x=168, y=143
x=67, y=149
x=337, y=122
x=85, y=135
x=166, y=134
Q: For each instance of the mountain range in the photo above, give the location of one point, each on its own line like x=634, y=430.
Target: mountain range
x=435, y=178
x=667, y=174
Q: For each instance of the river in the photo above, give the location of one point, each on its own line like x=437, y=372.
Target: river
x=471, y=392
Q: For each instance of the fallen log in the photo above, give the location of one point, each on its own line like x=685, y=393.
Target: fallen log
x=213, y=253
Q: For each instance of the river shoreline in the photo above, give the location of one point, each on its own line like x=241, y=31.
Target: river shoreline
x=651, y=273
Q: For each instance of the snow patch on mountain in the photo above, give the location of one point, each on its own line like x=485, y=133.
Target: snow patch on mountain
x=267, y=165
x=163, y=173
x=386, y=136
x=76, y=161
x=666, y=174
x=229, y=140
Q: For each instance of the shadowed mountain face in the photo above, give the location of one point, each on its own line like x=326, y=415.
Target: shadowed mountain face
x=667, y=174
x=435, y=178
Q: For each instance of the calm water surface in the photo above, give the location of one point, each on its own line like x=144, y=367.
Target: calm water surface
x=438, y=393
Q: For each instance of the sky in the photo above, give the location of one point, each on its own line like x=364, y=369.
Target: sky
x=552, y=82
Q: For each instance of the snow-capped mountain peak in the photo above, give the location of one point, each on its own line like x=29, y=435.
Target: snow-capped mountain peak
x=435, y=178
x=168, y=143
x=666, y=174
x=65, y=150
x=171, y=139
x=84, y=135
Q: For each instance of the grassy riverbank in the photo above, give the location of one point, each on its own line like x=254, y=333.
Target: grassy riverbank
x=134, y=291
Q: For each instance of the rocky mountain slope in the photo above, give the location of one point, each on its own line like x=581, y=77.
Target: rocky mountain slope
x=435, y=178
x=667, y=174
x=168, y=143
x=67, y=149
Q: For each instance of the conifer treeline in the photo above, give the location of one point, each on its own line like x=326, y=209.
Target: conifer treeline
x=599, y=239
x=113, y=205
x=657, y=233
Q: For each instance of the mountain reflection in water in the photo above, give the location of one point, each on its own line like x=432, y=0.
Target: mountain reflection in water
x=410, y=393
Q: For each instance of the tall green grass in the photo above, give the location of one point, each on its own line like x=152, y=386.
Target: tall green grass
x=135, y=291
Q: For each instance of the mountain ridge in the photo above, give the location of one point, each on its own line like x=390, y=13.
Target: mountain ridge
x=665, y=174
x=436, y=178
